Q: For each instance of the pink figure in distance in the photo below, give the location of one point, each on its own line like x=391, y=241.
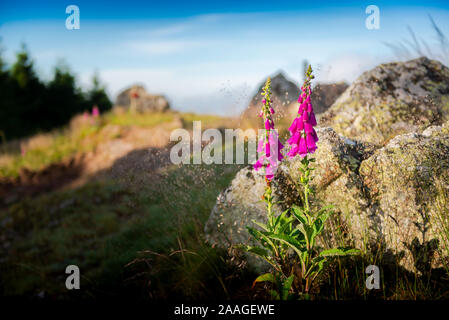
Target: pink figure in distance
x=95, y=111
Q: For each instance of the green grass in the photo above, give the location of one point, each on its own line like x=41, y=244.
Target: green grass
x=59, y=146
x=140, y=120
x=102, y=227
x=148, y=243
x=64, y=143
x=207, y=121
x=156, y=118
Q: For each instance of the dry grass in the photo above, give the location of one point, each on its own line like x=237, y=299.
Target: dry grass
x=85, y=134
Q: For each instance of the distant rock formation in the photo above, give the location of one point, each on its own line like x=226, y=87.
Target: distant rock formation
x=285, y=94
x=392, y=99
x=324, y=95
x=136, y=98
x=283, y=91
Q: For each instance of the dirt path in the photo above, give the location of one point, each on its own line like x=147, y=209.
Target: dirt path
x=135, y=156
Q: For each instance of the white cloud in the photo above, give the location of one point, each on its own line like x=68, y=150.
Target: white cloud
x=194, y=23
x=223, y=87
x=203, y=91
x=346, y=67
x=170, y=30
x=149, y=47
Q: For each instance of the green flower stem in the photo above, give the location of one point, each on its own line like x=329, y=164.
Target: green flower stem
x=304, y=180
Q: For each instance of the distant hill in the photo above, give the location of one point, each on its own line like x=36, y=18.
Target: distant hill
x=283, y=91
x=285, y=94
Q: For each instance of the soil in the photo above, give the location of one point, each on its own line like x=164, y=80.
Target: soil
x=125, y=159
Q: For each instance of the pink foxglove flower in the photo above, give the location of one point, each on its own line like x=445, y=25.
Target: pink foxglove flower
x=303, y=136
x=95, y=112
x=269, y=147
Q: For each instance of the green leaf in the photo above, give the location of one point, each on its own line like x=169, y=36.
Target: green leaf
x=316, y=266
x=298, y=209
x=267, y=277
x=262, y=239
x=280, y=218
x=285, y=226
x=295, y=233
x=287, y=286
x=291, y=242
x=352, y=252
x=260, y=224
x=239, y=246
x=299, y=214
x=338, y=252
x=274, y=295
x=318, y=226
x=258, y=251
x=308, y=232
x=319, y=260
x=325, y=213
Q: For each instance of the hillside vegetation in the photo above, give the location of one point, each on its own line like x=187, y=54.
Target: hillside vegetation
x=126, y=235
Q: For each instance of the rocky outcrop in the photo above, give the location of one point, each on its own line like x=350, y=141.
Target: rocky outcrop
x=390, y=199
x=392, y=99
x=407, y=184
x=138, y=99
x=285, y=94
x=325, y=94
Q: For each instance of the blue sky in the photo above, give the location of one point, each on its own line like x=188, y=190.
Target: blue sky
x=210, y=56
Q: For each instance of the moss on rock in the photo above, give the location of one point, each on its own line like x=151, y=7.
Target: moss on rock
x=392, y=99
x=385, y=198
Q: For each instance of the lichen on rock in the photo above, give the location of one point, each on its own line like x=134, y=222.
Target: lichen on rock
x=388, y=199
x=392, y=99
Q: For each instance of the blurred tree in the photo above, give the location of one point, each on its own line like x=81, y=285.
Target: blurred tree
x=27, y=105
x=26, y=91
x=22, y=70
x=6, y=97
x=97, y=95
x=2, y=63
x=62, y=99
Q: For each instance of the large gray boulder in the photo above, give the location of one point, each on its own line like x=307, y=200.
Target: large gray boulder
x=407, y=184
x=390, y=199
x=392, y=99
